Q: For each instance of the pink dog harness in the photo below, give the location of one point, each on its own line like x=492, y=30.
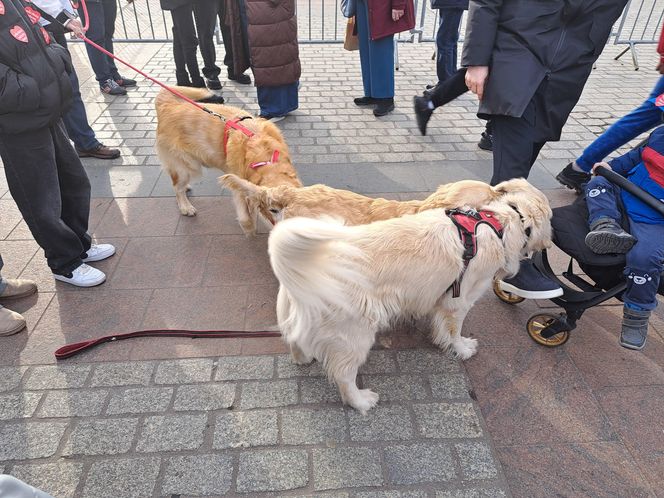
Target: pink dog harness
x=234, y=124
x=467, y=223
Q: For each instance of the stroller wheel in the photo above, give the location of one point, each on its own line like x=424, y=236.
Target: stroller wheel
x=541, y=321
x=506, y=297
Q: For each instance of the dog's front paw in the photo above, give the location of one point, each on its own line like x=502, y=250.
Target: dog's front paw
x=188, y=210
x=364, y=400
x=465, y=347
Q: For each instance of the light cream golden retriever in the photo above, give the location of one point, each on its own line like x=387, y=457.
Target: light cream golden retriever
x=279, y=203
x=188, y=140
x=340, y=285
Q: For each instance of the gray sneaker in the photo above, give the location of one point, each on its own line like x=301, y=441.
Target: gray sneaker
x=606, y=236
x=634, y=328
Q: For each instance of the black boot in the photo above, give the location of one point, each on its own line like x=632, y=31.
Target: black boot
x=486, y=141
x=383, y=107
x=575, y=180
x=634, y=328
x=360, y=101
x=242, y=79
x=606, y=236
x=423, y=111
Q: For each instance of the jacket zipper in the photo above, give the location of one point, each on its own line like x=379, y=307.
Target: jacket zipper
x=555, y=53
x=30, y=28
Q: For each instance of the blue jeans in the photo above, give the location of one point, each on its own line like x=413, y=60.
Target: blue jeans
x=102, y=15
x=645, y=260
x=376, y=58
x=630, y=126
x=446, y=42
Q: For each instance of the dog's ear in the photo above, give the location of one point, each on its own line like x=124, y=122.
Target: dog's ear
x=516, y=184
x=239, y=185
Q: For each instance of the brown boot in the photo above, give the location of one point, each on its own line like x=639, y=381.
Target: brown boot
x=99, y=152
x=18, y=287
x=10, y=322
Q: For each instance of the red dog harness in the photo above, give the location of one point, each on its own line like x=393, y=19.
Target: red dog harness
x=235, y=125
x=467, y=223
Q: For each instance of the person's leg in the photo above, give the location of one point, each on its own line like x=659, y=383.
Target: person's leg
x=362, y=26
x=225, y=34
x=181, y=74
x=32, y=175
x=630, y=126
x=97, y=33
x=183, y=23
x=205, y=14
x=110, y=8
x=438, y=96
x=446, y=42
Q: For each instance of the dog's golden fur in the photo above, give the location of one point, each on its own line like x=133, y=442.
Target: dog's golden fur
x=339, y=285
x=278, y=203
x=188, y=139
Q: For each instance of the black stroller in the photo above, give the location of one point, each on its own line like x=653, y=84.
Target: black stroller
x=570, y=226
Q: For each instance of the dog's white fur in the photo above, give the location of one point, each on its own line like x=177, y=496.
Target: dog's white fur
x=340, y=285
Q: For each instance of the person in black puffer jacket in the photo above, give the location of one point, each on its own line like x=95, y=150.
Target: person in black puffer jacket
x=44, y=174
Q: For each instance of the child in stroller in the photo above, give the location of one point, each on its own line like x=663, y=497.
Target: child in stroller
x=637, y=253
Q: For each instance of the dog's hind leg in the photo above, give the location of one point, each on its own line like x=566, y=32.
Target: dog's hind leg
x=180, y=172
x=447, y=332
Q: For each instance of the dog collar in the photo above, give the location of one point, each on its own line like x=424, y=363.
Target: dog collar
x=275, y=158
x=526, y=230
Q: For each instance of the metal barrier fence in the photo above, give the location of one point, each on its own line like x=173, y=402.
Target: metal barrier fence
x=640, y=23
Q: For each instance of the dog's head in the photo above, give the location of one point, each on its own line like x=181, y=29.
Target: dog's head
x=530, y=230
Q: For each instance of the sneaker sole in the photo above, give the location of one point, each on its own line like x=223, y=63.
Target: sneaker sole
x=550, y=294
x=66, y=280
x=14, y=331
x=99, y=257
x=633, y=347
x=83, y=155
x=488, y=148
x=569, y=184
x=608, y=243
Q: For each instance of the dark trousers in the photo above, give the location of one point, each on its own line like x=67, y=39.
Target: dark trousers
x=446, y=42
x=645, y=260
x=102, y=15
x=225, y=35
x=204, y=12
x=52, y=191
x=76, y=119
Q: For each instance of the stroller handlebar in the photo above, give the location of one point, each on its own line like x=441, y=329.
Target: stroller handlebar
x=630, y=187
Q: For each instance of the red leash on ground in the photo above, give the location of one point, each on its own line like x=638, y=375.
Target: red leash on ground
x=70, y=350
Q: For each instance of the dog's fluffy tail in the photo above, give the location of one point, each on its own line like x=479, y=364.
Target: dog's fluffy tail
x=316, y=262
x=202, y=95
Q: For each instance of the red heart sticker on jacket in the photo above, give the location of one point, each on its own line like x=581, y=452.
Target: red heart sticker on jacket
x=2, y=9
x=33, y=15
x=659, y=101
x=47, y=37
x=18, y=33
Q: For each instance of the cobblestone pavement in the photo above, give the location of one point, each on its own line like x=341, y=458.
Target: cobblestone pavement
x=176, y=417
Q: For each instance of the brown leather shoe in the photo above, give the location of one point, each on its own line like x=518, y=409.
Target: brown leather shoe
x=10, y=322
x=17, y=288
x=100, y=152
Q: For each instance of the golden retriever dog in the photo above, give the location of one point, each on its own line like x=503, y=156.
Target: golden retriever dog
x=340, y=285
x=278, y=203
x=188, y=139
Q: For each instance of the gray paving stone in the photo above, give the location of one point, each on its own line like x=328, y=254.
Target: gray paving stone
x=122, y=374
x=319, y=390
x=197, y=475
x=272, y=470
x=268, y=394
x=140, y=400
x=122, y=477
x=286, y=368
x=426, y=361
x=172, y=433
x=76, y=403
x=18, y=405
x=320, y=495
x=447, y=420
x=383, y=423
x=419, y=463
x=338, y=468
x=392, y=494
x=396, y=387
x=101, y=437
x=244, y=429
x=57, y=479
x=305, y=426
x=28, y=440
x=472, y=493
x=57, y=377
x=184, y=371
x=448, y=386
x=245, y=367
x=205, y=397
x=10, y=377
x=476, y=460
x=379, y=362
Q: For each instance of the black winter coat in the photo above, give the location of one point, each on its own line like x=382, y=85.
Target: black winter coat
x=35, y=89
x=174, y=4
x=449, y=4
x=545, y=44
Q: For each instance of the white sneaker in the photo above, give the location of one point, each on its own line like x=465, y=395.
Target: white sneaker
x=83, y=276
x=97, y=252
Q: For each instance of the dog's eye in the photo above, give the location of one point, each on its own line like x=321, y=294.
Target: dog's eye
x=274, y=211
